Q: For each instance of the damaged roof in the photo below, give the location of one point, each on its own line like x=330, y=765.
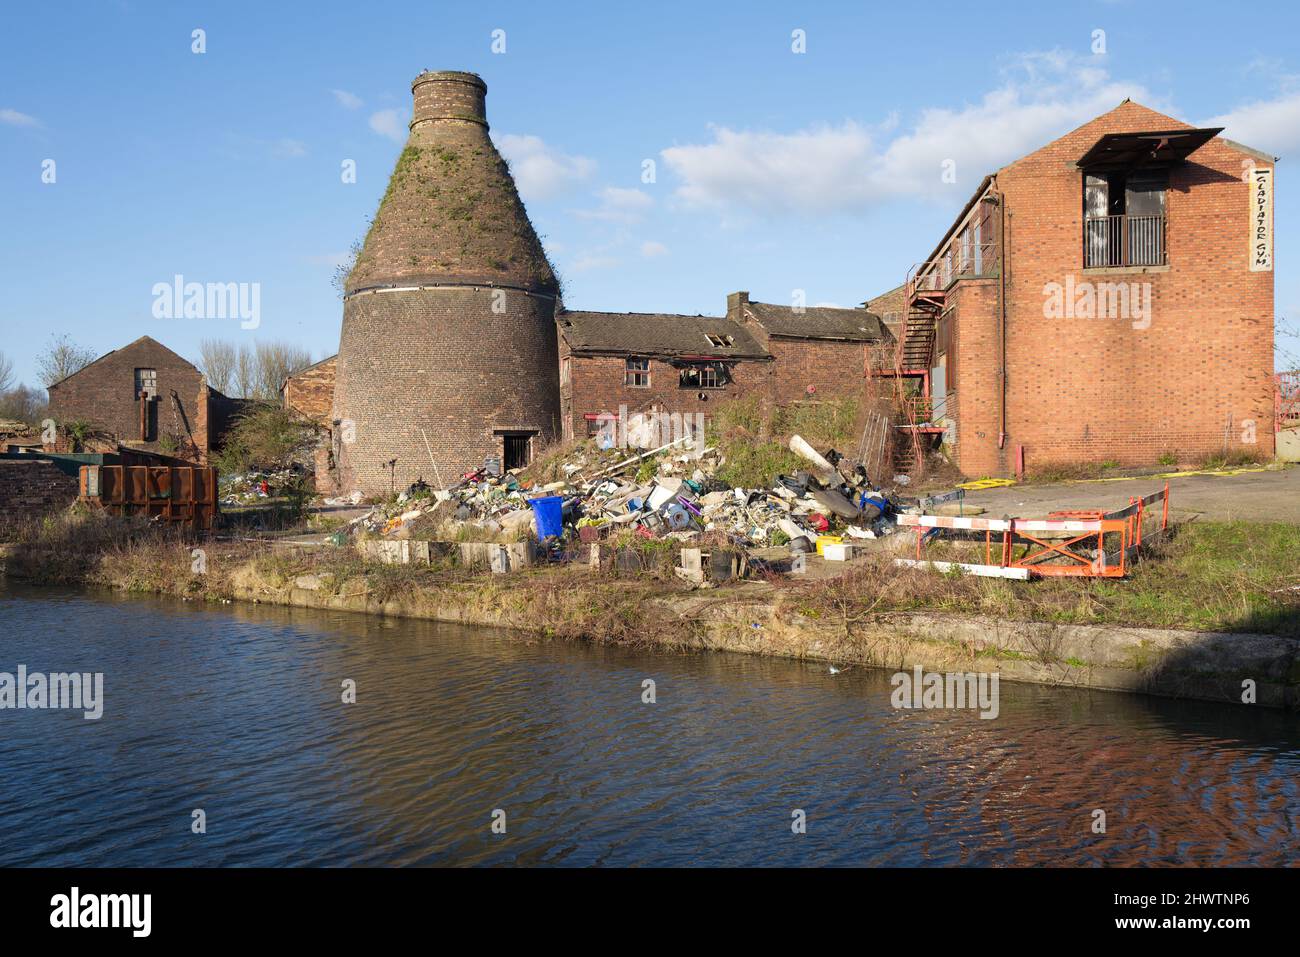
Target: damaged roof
x=657, y=334
x=817, y=322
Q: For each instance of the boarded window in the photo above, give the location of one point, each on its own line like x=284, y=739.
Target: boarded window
x=146, y=381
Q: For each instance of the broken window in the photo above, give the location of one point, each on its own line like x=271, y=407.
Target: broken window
x=636, y=373
x=704, y=375
x=146, y=381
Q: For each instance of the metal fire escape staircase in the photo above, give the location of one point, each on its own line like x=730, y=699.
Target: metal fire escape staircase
x=912, y=360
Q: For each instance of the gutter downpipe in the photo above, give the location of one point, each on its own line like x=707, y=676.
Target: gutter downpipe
x=1002, y=315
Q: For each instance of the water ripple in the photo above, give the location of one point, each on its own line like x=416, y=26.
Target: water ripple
x=237, y=711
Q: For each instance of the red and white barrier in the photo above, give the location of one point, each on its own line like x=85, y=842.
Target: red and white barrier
x=1089, y=532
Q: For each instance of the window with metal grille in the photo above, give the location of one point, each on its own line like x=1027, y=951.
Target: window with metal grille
x=146, y=381
x=515, y=449
x=1124, y=218
x=636, y=373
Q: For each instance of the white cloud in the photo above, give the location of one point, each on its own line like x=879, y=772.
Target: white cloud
x=542, y=171
x=851, y=166
x=14, y=118
x=651, y=248
x=587, y=263
x=349, y=101
x=1270, y=125
x=771, y=172
x=286, y=148
x=390, y=123
x=619, y=205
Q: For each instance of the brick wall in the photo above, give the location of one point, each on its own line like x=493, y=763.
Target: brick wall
x=311, y=392
x=1094, y=389
x=889, y=307
x=31, y=489
x=831, y=369
x=972, y=378
x=103, y=394
x=597, y=385
x=815, y=367
x=439, y=364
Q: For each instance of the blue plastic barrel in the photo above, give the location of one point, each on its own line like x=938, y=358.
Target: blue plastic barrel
x=548, y=512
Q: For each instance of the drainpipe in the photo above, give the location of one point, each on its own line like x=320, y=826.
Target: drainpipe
x=1002, y=315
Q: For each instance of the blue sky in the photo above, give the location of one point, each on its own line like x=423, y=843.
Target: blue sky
x=775, y=171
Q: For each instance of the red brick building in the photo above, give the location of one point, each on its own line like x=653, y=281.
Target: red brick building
x=690, y=364
x=1107, y=297
x=310, y=391
x=143, y=396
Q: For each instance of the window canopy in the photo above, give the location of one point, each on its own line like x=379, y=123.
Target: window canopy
x=1151, y=149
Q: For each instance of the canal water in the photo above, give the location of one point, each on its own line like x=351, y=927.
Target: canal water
x=237, y=711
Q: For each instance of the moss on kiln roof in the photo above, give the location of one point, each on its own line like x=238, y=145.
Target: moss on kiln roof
x=451, y=212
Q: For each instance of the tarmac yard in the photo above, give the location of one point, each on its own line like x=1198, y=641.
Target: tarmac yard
x=1265, y=496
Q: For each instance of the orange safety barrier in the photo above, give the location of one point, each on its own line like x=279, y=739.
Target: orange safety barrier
x=1066, y=543
x=180, y=494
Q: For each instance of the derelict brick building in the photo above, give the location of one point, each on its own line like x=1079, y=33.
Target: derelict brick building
x=145, y=397
x=1108, y=296
x=692, y=364
x=448, y=349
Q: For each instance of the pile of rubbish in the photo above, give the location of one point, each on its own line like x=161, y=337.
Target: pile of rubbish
x=254, y=486
x=669, y=492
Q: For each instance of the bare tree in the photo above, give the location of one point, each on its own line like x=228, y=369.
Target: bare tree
x=22, y=404
x=61, y=358
x=245, y=372
x=217, y=359
x=6, y=373
x=254, y=371
x=276, y=361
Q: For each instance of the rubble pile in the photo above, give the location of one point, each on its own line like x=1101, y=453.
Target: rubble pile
x=254, y=486
x=662, y=493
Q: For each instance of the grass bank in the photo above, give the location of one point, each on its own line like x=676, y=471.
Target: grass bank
x=1211, y=605
x=1204, y=576
x=1232, y=577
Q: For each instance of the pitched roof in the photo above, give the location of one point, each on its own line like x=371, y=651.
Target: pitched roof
x=305, y=369
x=129, y=345
x=817, y=322
x=657, y=334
